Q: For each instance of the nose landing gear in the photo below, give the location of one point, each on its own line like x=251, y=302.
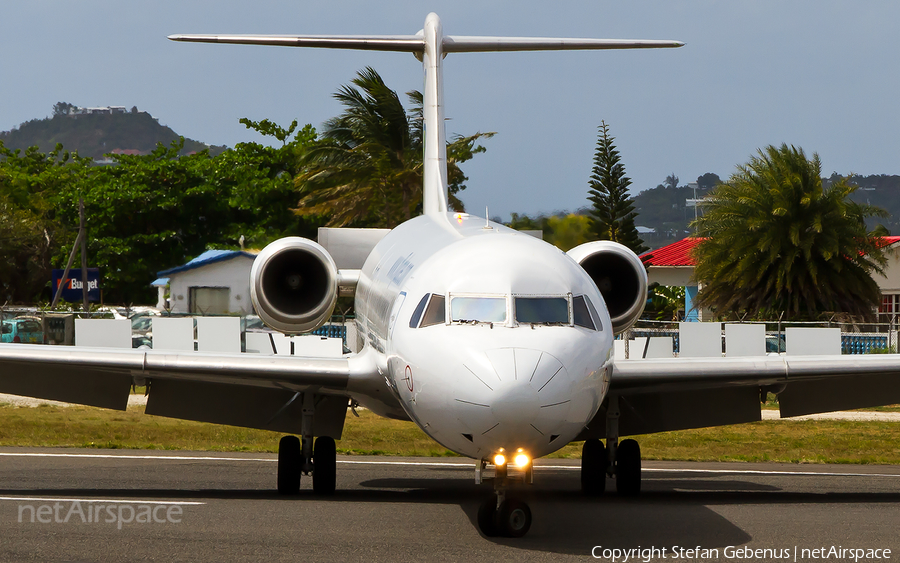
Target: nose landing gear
x=509, y=518
x=501, y=515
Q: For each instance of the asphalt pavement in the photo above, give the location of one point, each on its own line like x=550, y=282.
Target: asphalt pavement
x=110, y=505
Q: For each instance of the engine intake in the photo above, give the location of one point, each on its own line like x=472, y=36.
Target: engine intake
x=294, y=285
x=619, y=275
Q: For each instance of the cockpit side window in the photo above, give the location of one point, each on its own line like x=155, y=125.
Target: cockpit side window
x=435, y=312
x=594, y=313
x=582, y=314
x=542, y=310
x=417, y=314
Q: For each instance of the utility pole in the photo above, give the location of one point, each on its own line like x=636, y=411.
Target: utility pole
x=80, y=242
x=82, y=230
x=692, y=202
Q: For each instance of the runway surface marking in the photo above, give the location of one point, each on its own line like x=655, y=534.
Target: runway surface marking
x=131, y=456
x=102, y=500
x=442, y=464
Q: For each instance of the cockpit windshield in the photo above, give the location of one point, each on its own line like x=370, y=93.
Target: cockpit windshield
x=542, y=310
x=478, y=309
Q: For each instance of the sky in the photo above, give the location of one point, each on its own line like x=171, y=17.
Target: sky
x=821, y=75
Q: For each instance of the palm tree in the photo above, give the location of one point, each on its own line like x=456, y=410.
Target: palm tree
x=367, y=169
x=612, y=212
x=778, y=241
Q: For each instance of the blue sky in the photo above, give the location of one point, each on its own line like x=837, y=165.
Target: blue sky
x=821, y=75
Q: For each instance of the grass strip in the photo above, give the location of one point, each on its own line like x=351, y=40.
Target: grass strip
x=813, y=441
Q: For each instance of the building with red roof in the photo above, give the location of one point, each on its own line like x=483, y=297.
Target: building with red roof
x=673, y=265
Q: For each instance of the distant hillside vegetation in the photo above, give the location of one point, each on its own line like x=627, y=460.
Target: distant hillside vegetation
x=665, y=208
x=95, y=135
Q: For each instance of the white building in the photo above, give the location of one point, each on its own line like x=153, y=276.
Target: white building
x=215, y=283
x=97, y=111
x=218, y=281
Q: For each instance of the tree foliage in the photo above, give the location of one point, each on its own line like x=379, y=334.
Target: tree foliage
x=665, y=303
x=612, y=211
x=31, y=227
x=778, y=241
x=567, y=232
x=564, y=230
x=367, y=171
x=145, y=213
x=708, y=181
x=149, y=212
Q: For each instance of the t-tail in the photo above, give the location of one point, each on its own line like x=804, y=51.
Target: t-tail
x=430, y=46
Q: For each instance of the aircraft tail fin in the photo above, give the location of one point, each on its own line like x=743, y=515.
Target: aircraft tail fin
x=430, y=46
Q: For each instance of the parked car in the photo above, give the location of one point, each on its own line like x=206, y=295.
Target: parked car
x=252, y=323
x=141, y=341
x=24, y=330
x=775, y=344
x=142, y=324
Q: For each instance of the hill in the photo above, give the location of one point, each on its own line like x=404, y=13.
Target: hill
x=96, y=134
x=664, y=209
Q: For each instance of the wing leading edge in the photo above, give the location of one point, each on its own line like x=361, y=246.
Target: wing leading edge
x=238, y=389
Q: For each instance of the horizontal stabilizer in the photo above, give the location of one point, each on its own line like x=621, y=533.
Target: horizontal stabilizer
x=464, y=44
x=405, y=43
x=416, y=43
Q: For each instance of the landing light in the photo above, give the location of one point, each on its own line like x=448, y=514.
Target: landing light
x=521, y=460
x=499, y=460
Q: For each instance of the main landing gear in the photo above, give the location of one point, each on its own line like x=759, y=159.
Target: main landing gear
x=621, y=461
x=500, y=514
x=297, y=457
x=292, y=464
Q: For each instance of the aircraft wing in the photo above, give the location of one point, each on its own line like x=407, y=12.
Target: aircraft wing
x=680, y=393
x=248, y=390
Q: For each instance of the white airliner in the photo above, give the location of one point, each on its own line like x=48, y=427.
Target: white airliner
x=496, y=344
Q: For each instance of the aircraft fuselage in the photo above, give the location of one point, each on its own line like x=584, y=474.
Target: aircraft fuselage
x=481, y=335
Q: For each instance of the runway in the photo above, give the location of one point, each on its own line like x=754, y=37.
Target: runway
x=423, y=509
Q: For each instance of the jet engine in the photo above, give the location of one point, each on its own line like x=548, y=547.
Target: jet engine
x=294, y=285
x=620, y=276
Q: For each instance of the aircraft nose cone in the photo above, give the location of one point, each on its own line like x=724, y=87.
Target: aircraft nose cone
x=512, y=397
x=515, y=402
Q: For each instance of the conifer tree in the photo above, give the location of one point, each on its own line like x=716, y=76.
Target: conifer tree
x=612, y=212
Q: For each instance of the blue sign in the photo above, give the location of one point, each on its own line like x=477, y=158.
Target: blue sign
x=73, y=283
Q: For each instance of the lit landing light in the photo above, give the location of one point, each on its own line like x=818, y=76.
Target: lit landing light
x=521, y=460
